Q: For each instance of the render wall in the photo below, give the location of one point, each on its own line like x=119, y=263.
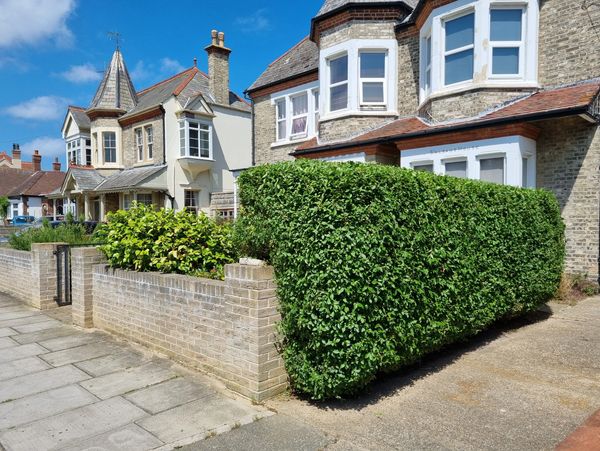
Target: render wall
x=568, y=158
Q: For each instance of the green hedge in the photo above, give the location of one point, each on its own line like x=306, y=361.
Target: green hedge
x=378, y=266
x=144, y=239
x=69, y=233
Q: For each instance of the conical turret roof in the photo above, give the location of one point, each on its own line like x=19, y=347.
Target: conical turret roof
x=116, y=91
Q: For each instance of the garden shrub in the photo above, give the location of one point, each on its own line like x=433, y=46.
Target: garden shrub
x=144, y=239
x=69, y=233
x=378, y=266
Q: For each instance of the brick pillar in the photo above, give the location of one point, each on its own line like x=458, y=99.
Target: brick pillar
x=43, y=273
x=83, y=260
x=255, y=367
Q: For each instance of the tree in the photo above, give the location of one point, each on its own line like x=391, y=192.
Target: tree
x=4, y=205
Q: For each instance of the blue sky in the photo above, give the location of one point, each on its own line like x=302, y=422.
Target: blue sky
x=53, y=52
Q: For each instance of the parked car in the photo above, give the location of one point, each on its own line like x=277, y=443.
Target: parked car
x=22, y=220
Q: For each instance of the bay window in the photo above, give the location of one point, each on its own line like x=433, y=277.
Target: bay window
x=459, y=49
x=195, y=139
x=372, y=77
x=338, y=83
x=506, y=40
x=427, y=64
x=110, y=147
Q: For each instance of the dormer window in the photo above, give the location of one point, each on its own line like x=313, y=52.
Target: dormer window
x=485, y=43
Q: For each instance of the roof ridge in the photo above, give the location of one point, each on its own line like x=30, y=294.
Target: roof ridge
x=156, y=85
x=181, y=86
x=79, y=108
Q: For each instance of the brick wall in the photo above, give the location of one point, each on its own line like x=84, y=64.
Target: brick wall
x=83, y=260
x=265, y=134
x=568, y=158
x=225, y=328
x=15, y=267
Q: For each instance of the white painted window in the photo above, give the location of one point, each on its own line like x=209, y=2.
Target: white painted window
x=456, y=169
x=299, y=116
x=127, y=201
x=492, y=170
x=110, y=147
x=195, y=139
x=88, y=151
x=424, y=167
x=427, y=64
x=144, y=198
x=139, y=143
x=338, y=83
x=316, y=107
x=281, y=107
x=14, y=210
x=226, y=215
x=150, y=142
x=506, y=40
x=191, y=201
x=372, y=77
x=459, y=49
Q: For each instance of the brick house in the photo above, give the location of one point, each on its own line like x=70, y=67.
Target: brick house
x=171, y=145
x=501, y=91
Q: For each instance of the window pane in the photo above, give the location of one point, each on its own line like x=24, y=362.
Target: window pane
x=506, y=24
x=339, y=98
x=300, y=105
x=299, y=126
x=281, y=109
x=339, y=69
x=525, y=181
x=460, y=32
x=194, y=142
x=428, y=51
x=372, y=65
x=457, y=169
x=281, y=126
x=492, y=170
x=459, y=67
x=505, y=60
x=373, y=92
x=423, y=167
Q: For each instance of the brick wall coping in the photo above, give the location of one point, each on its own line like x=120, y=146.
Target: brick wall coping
x=14, y=253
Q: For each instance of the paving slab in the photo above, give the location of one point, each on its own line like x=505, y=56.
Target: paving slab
x=72, y=341
x=43, y=405
x=129, y=438
x=122, y=382
x=112, y=363
x=23, y=321
x=21, y=367
x=30, y=384
x=71, y=427
x=18, y=314
x=7, y=332
x=17, y=308
x=46, y=334
x=30, y=326
x=21, y=351
x=198, y=417
x=7, y=342
x=169, y=394
x=80, y=353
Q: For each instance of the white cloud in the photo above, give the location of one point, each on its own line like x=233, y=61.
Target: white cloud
x=49, y=148
x=139, y=72
x=44, y=108
x=170, y=66
x=154, y=72
x=32, y=21
x=9, y=62
x=258, y=21
x=84, y=73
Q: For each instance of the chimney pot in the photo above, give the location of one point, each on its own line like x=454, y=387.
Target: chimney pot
x=36, y=159
x=221, y=39
x=214, y=36
x=16, y=156
x=56, y=165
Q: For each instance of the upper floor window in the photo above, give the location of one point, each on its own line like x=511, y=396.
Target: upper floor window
x=195, y=139
x=139, y=143
x=79, y=151
x=485, y=43
x=150, y=141
x=110, y=147
x=281, y=107
x=296, y=114
x=359, y=77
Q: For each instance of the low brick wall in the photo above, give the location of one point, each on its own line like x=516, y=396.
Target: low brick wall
x=225, y=328
x=30, y=276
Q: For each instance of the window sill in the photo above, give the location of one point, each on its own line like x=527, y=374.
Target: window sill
x=354, y=113
x=290, y=142
x=489, y=84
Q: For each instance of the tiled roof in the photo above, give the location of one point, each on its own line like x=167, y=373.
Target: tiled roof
x=574, y=99
x=332, y=5
x=17, y=182
x=116, y=91
x=11, y=178
x=300, y=59
x=81, y=119
x=47, y=182
x=129, y=178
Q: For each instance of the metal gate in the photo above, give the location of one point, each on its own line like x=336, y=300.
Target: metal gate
x=63, y=275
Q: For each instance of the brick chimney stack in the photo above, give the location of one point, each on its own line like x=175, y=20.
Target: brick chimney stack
x=56, y=165
x=218, y=67
x=16, y=156
x=36, y=159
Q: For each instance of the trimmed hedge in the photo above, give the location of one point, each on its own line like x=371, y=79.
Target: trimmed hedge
x=378, y=266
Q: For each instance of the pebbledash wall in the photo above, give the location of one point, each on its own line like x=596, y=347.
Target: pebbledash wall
x=226, y=328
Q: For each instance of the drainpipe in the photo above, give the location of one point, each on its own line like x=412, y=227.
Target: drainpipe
x=253, y=129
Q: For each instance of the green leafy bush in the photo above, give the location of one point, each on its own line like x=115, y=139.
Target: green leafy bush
x=65, y=233
x=144, y=239
x=378, y=266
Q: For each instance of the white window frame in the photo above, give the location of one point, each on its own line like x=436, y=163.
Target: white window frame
x=456, y=160
x=104, y=147
x=495, y=156
x=447, y=53
x=508, y=44
x=196, y=200
x=184, y=123
x=285, y=98
x=138, y=134
x=383, y=81
x=483, y=77
x=427, y=63
x=279, y=104
x=353, y=48
x=137, y=198
x=303, y=134
x=149, y=137
x=345, y=82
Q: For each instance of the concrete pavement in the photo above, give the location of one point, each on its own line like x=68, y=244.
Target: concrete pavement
x=64, y=388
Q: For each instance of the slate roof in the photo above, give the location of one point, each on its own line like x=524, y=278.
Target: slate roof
x=299, y=60
x=81, y=119
x=129, y=178
x=116, y=91
x=563, y=100
x=86, y=179
x=332, y=5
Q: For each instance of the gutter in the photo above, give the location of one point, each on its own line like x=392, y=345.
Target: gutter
x=248, y=92
x=581, y=110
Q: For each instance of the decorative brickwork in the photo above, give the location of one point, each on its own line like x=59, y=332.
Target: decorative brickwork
x=357, y=30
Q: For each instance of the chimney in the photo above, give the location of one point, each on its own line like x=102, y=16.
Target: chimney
x=218, y=67
x=16, y=156
x=56, y=165
x=36, y=159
